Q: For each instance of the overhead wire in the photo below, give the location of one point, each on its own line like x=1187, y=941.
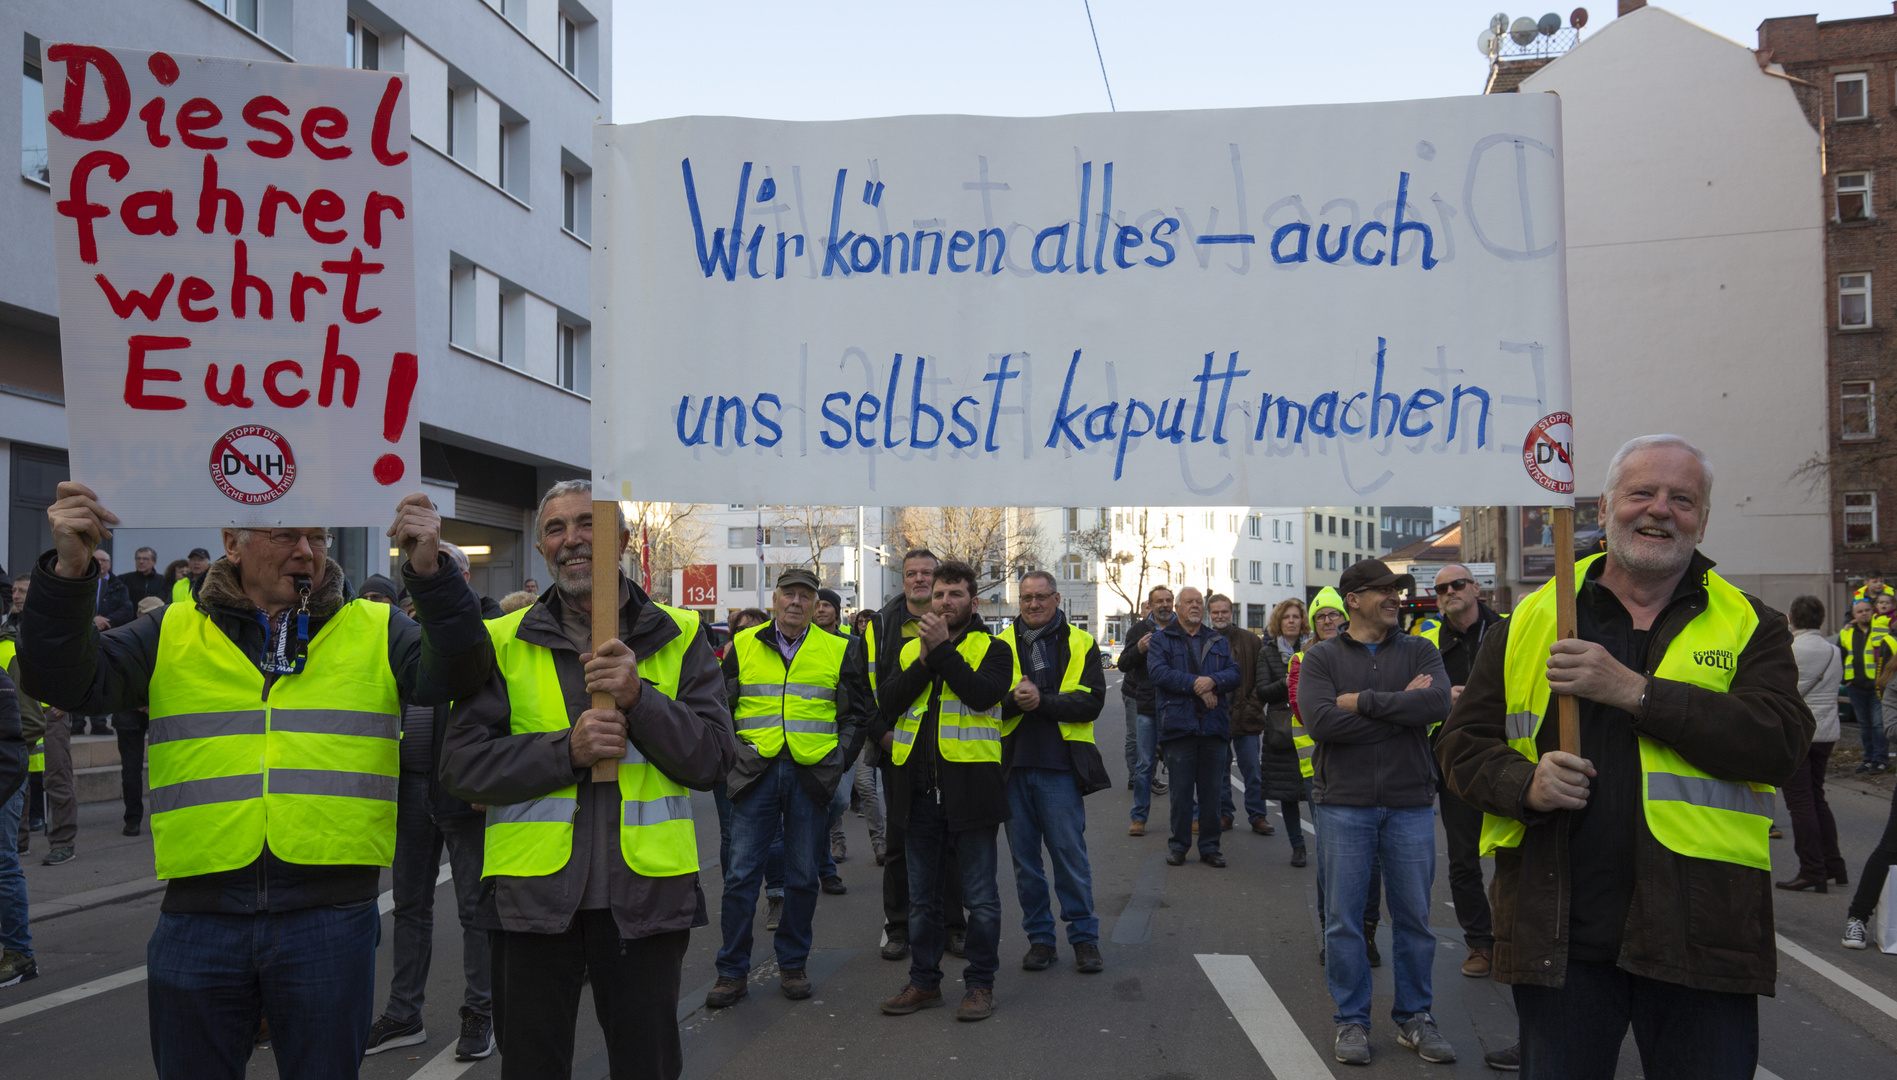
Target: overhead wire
x=1099, y=55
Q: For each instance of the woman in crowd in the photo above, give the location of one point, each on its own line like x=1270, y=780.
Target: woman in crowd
x=1820, y=671
x=1282, y=767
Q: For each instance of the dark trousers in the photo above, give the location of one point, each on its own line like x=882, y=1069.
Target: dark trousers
x=976, y=850
x=1195, y=763
x=896, y=875
x=1462, y=824
x=311, y=973
x=1870, y=883
x=1575, y=1033
x=419, y=840
x=1814, y=831
x=132, y=772
x=537, y=979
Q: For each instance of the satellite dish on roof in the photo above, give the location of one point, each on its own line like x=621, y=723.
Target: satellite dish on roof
x=1548, y=24
x=1523, y=31
x=1577, y=18
x=1485, y=43
x=1498, y=24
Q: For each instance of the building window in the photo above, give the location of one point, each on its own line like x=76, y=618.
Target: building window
x=738, y=538
x=1231, y=523
x=1211, y=520
x=1317, y=559
x=1165, y=521
x=1274, y=574
x=1333, y=526
x=570, y=369
x=451, y=121
x=1854, y=301
x=1255, y=528
x=1071, y=519
x=569, y=46
x=1358, y=542
x=33, y=164
x=1860, y=517
x=501, y=137
x=362, y=47
x=1317, y=523
x=1853, y=96
x=1258, y=572
x=736, y=579
x=1333, y=560
x=1073, y=568
x=569, y=202
x=1235, y=571
x=1211, y=572
x=1854, y=196
x=1860, y=410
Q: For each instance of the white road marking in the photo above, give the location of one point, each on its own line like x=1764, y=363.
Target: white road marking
x=1871, y=997
x=443, y=1066
x=384, y=903
x=1765, y=1074
x=1287, y=1054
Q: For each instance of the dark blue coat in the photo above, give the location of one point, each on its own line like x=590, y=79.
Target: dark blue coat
x=1173, y=662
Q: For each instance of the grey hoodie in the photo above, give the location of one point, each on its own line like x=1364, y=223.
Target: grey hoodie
x=1378, y=755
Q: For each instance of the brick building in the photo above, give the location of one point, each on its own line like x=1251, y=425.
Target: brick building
x=1847, y=83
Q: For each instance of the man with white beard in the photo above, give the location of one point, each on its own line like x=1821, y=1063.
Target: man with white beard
x=1632, y=881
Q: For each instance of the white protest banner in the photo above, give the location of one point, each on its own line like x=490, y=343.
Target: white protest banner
x=236, y=287
x=1258, y=306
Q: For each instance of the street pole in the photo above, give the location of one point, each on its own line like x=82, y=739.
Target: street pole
x=605, y=607
x=1568, y=707
x=760, y=560
x=862, y=584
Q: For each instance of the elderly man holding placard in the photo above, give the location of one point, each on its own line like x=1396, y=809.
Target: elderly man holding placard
x=1689, y=715
x=275, y=727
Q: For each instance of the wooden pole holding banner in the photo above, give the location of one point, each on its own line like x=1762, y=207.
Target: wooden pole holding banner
x=606, y=606
x=1568, y=708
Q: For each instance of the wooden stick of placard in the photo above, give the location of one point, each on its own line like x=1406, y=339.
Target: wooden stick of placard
x=606, y=606
x=1567, y=706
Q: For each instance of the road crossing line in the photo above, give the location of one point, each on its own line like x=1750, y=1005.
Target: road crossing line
x=1287, y=1054
x=1869, y=996
x=131, y=977
x=443, y=1066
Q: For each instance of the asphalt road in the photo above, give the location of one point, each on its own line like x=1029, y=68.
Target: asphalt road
x=1210, y=973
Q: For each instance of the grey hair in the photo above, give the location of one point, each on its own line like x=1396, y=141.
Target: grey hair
x=570, y=487
x=1652, y=442
x=1044, y=576
x=454, y=552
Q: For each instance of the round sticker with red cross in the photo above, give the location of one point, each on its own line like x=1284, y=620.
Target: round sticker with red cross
x=253, y=464
x=1548, y=453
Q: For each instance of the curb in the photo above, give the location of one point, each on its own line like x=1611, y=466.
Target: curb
x=94, y=898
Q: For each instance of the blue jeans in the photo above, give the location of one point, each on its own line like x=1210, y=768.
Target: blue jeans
x=14, y=932
x=839, y=805
x=1045, y=805
x=773, y=863
x=1575, y=1032
x=775, y=806
x=928, y=841
x=1251, y=770
x=1405, y=840
x=1148, y=733
x=311, y=973
x=1194, y=764
x=1373, y=904
x=1870, y=723
x=1132, y=736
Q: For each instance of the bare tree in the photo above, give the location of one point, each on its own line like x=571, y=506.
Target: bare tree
x=1126, y=569
x=821, y=528
x=1001, y=542
x=677, y=535
x=1855, y=464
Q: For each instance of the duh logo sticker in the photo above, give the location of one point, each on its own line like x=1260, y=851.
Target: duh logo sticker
x=1548, y=453
x=253, y=464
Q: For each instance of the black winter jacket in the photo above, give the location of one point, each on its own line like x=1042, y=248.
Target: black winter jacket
x=1271, y=686
x=974, y=794
x=1081, y=706
x=1134, y=682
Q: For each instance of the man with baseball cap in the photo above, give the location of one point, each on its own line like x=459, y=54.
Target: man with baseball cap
x=802, y=698
x=1369, y=697
x=191, y=581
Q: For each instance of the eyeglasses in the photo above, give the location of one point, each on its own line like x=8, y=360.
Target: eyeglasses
x=1327, y=613
x=287, y=538
x=1036, y=597
x=1453, y=586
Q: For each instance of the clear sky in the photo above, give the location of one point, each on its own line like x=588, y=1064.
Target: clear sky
x=839, y=59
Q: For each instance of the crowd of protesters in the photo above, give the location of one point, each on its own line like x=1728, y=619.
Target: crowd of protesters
x=472, y=729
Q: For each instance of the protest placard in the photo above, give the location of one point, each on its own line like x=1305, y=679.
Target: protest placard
x=236, y=287
x=1258, y=306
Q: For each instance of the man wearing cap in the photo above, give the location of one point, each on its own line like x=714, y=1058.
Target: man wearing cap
x=191, y=582
x=803, y=699
x=1369, y=697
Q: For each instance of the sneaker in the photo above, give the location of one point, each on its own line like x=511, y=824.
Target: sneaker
x=910, y=999
x=1479, y=963
x=1087, y=959
x=1353, y=1044
x=773, y=911
x=794, y=983
x=1370, y=944
x=1175, y=858
x=1508, y=1059
x=1212, y=859
x=977, y=1004
x=1039, y=957
x=882, y=853
x=834, y=885
x=477, y=1036
x=727, y=992
x=1419, y=1034
x=387, y=1034
x=1862, y=767
x=839, y=850
x=1137, y=828
x=896, y=948
x=957, y=943
x=1855, y=935
x=59, y=856
x=131, y=829
x=17, y=967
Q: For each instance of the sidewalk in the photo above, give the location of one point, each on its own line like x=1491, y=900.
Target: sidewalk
x=110, y=867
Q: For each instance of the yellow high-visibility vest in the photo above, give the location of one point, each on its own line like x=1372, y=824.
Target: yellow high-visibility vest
x=1873, y=638
x=312, y=769
x=1301, y=740
x=962, y=734
x=795, y=702
x=36, y=754
x=181, y=590
x=1078, y=642
x=1689, y=811
x=535, y=838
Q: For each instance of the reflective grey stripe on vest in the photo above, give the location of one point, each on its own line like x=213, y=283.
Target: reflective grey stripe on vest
x=1522, y=725
x=965, y=733
x=166, y=729
x=811, y=727
x=1705, y=791
x=905, y=737
x=770, y=720
x=549, y=809
x=632, y=756
x=350, y=785
x=214, y=789
x=796, y=689
x=337, y=722
x=658, y=811
x=1307, y=750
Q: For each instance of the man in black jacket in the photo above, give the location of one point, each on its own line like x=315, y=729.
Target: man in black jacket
x=208, y=985
x=938, y=722
x=145, y=579
x=1133, y=672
